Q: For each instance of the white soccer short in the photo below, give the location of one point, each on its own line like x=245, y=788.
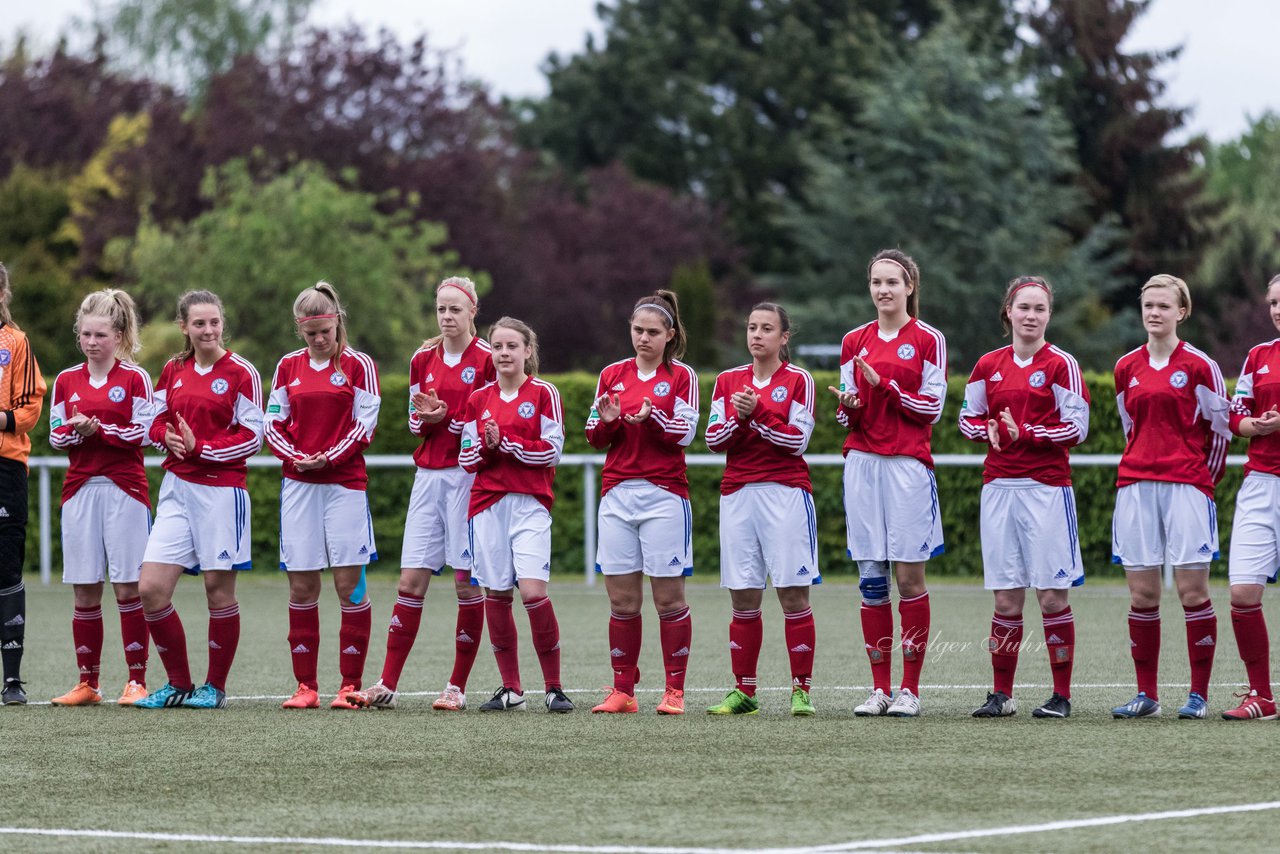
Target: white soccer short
x=1255, y=556
x=1156, y=522
x=104, y=534
x=435, y=528
x=511, y=542
x=1029, y=536
x=324, y=525
x=200, y=527
x=767, y=529
x=644, y=527
x=890, y=509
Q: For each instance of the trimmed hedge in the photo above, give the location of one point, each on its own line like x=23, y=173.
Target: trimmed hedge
x=958, y=487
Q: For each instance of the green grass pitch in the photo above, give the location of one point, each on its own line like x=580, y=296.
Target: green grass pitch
x=638, y=780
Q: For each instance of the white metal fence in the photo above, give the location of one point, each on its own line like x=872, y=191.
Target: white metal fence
x=590, y=464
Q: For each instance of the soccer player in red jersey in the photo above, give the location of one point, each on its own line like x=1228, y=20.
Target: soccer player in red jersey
x=321, y=416
x=893, y=382
x=512, y=438
x=208, y=416
x=1175, y=415
x=761, y=419
x=442, y=375
x=646, y=413
x=101, y=416
x=1028, y=404
x=1255, y=545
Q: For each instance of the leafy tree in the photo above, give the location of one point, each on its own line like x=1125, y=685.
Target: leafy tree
x=954, y=161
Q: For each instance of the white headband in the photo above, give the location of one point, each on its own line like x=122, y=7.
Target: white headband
x=904, y=270
x=655, y=307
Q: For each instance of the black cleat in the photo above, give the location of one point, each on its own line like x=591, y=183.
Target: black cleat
x=1056, y=706
x=504, y=700
x=998, y=705
x=558, y=702
x=13, y=695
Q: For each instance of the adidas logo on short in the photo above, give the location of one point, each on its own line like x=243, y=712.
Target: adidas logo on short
x=224, y=555
x=1061, y=573
x=682, y=652
x=351, y=650
x=134, y=647
x=675, y=561
x=13, y=644
x=1053, y=639
x=924, y=547
x=1204, y=549
x=546, y=567
x=466, y=554
x=16, y=621
x=395, y=622
x=734, y=645
x=463, y=637
x=995, y=378
x=804, y=647
x=214, y=645
x=300, y=649
x=1207, y=640
x=804, y=570
x=616, y=653
x=83, y=650
x=364, y=550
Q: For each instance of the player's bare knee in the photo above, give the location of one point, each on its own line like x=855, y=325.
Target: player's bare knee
x=1246, y=595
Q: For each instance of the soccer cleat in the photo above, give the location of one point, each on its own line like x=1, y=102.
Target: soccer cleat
x=13, y=695
x=167, y=697
x=504, y=700
x=874, y=706
x=905, y=705
x=735, y=703
x=349, y=698
x=1056, y=706
x=83, y=694
x=1140, y=706
x=1252, y=708
x=557, y=702
x=304, y=698
x=378, y=696
x=1194, y=709
x=132, y=693
x=998, y=705
x=672, y=702
x=451, y=699
x=617, y=703
x=206, y=697
x=801, y=704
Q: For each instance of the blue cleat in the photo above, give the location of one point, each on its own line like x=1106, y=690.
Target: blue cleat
x=1140, y=706
x=167, y=697
x=206, y=697
x=1195, y=709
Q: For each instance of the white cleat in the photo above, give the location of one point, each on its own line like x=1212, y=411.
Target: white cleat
x=874, y=706
x=905, y=705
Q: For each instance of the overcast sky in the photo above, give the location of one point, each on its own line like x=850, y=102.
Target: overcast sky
x=1227, y=71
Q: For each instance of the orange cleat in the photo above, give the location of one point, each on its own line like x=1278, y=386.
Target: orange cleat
x=83, y=694
x=132, y=693
x=349, y=697
x=617, y=703
x=672, y=702
x=304, y=698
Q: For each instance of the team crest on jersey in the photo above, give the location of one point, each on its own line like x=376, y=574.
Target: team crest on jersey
x=779, y=394
x=906, y=351
x=468, y=375
x=1036, y=380
x=525, y=410
x=116, y=394
x=5, y=357
x=337, y=379
x=219, y=386
x=1179, y=379
x=662, y=389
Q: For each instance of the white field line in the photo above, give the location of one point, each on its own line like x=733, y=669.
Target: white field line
x=455, y=845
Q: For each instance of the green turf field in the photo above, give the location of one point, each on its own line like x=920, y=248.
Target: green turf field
x=586, y=783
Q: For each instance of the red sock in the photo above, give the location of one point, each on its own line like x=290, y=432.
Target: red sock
x=86, y=634
x=406, y=619
x=467, y=640
x=502, y=637
x=171, y=643
x=304, y=642
x=877, y=637
x=224, y=637
x=801, y=639
x=353, y=641
x=1202, y=643
x=133, y=634
x=1144, y=644
x=546, y=638
x=746, y=630
x=914, y=613
x=1255, y=647
x=676, y=630
x=625, y=632
x=1004, y=644
x=1060, y=638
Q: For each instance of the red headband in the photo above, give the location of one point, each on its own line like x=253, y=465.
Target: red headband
x=470, y=298
x=1041, y=285
x=301, y=320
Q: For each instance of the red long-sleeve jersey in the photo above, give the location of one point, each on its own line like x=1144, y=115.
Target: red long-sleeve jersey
x=223, y=407
x=454, y=379
x=122, y=403
x=1049, y=402
x=896, y=417
x=531, y=427
x=652, y=450
x=1175, y=418
x=769, y=445
x=1257, y=391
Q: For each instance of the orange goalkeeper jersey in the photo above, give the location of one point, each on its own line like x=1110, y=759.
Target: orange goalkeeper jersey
x=21, y=392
